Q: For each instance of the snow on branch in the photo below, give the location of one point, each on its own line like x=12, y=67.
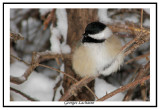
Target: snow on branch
x=58, y=31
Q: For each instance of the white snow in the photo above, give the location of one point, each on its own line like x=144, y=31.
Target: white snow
x=102, y=87
x=38, y=86
x=43, y=11
x=65, y=48
x=62, y=22
x=133, y=18
x=54, y=40
x=146, y=23
x=147, y=10
x=16, y=16
x=58, y=95
x=62, y=69
x=142, y=61
x=103, y=16
x=57, y=32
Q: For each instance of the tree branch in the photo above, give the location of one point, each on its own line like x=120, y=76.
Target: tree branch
x=128, y=28
x=16, y=37
x=75, y=87
x=48, y=19
x=36, y=59
x=23, y=94
x=24, y=77
x=123, y=88
x=138, y=57
x=141, y=73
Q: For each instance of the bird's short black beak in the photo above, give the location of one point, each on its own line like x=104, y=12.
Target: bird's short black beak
x=84, y=38
x=85, y=35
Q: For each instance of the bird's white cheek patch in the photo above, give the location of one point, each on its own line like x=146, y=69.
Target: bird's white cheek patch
x=102, y=35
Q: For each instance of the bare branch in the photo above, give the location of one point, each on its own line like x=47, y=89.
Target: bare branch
x=138, y=58
x=142, y=35
x=123, y=88
x=36, y=58
x=48, y=19
x=16, y=37
x=24, y=77
x=19, y=59
x=128, y=28
x=141, y=73
x=23, y=94
x=58, y=71
x=138, y=41
x=76, y=86
x=55, y=88
x=69, y=77
x=141, y=18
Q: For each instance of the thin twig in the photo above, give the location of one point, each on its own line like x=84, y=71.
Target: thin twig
x=55, y=88
x=58, y=62
x=138, y=41
x=142, y=37
x=24, y=77
x=76, y=86
x=143, y=91
x=23, y=94
x=20, y=59
x=36, y=58
x=91, y=92
x=47, y=55
x=125, y=47
x=16, y=36
x=69, y=77
x=48, y=19
x=119, y=27
x=129, y=93
x=123, y=88
x=137, y=58
x=128, y=44
x=58, y=71
x=140, y=74
x=141, y=18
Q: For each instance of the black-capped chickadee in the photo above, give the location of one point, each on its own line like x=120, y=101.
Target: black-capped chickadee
x=99, y=52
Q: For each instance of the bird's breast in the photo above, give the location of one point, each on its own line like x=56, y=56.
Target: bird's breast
x=91, y=58
x=100, y=54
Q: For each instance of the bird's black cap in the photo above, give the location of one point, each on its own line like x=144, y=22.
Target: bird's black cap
x=94, y=28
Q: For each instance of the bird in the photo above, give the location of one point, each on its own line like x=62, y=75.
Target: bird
x=98, y=53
